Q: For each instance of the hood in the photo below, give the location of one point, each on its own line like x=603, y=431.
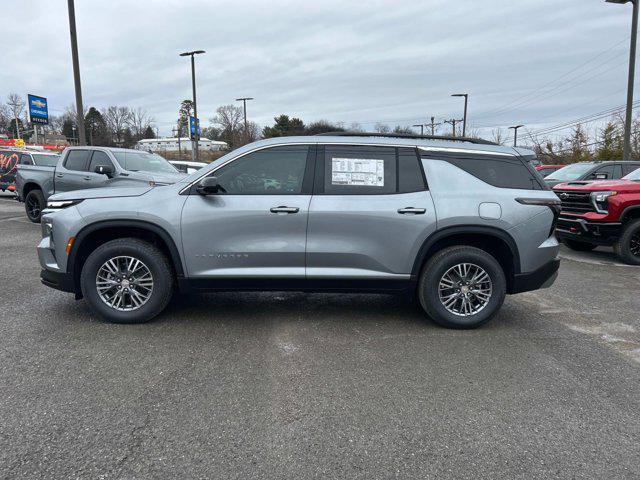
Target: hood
x=602, y=185
x=159, y=177
x=107, y=192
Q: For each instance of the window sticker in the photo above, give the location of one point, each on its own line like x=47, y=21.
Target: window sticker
x=367, y=172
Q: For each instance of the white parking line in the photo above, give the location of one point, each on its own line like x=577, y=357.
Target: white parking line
x=592, y=261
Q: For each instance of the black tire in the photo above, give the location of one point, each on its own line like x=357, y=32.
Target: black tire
x=435, y=269
x=579, y=246
x=628, y=245
x=151, y=257
x=33, y=205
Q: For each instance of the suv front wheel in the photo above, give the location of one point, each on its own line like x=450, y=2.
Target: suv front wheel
x=462, y=287
x=127, y=281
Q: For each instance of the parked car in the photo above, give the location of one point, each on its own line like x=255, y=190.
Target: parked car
x=546, y=170
x=602, y=213
x=90, y=167
x=186, y=166
x=11, y=158
x=459, y=224
x=596, y=170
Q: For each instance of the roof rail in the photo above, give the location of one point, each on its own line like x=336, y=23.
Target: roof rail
x=478, y=141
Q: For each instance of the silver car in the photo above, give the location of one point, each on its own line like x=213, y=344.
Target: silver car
x=459, y=224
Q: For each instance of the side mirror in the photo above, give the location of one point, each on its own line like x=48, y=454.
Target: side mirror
x=209, y=186
x=104, y=170
x=601, y=176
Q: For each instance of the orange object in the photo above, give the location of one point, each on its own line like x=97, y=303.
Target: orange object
x=69, y=244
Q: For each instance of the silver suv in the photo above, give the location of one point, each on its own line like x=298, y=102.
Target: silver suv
x=458, y=224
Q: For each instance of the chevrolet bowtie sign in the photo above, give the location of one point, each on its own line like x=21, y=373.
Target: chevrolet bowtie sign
x=38, y=109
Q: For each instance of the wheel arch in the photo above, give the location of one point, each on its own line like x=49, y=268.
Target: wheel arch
x=630, y=213
x=29, y=187
x=96, y=234
x=495, y=241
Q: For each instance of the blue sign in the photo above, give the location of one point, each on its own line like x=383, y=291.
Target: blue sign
x=192, y=128
x=38, y=109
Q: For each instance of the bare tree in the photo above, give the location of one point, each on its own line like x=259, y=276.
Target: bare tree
x=498, y=136
x=382, y=128
x=117, y=120
x=139, y=120
x=5, y=118
x=230, y=120
x=16, y=105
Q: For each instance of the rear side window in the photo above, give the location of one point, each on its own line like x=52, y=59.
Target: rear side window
x=410, y=174
x=77, y=160
x=350, y=170
x=507, y=172
x=25, y=159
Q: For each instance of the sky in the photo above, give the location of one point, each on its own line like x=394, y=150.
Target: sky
x=534, y=62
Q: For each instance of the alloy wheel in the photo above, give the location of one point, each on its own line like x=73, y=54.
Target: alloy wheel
x=33, y=207
x=124, y=283
x=634, y=244
x=465, y=289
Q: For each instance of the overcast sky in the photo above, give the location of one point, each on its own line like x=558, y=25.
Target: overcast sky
x=536, y=62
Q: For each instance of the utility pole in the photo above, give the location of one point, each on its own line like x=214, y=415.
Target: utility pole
x=632, y=70
x=421, y=128
x=515, y=134
x=244, y=105
x=76, y=73
x=453, y=122
x=433, y=125
x=194, y=142
x=464, y=121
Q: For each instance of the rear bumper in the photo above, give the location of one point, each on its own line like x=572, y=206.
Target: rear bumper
x=59, y=280
x=597, y=233
x=543, y=277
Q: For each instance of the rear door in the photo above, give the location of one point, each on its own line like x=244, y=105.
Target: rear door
x=256, y=228
x=72, y=174
x=369, y=215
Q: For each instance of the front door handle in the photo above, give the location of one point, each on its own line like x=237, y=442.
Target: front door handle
x=87, y=178
x=413, y=210
x=283, y=209
x=60, y=175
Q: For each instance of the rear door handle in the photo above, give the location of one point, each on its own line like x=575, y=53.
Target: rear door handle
x=59, y=175
x=87, y=178
x=413, y=210
x=283, y=209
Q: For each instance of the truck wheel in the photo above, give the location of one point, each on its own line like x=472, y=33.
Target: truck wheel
x=127, y=281
x=579, y=246
x=33, y=204
x=462, y=287
x=628, y=245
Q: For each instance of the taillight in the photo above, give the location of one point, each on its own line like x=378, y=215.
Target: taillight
x=553, y=203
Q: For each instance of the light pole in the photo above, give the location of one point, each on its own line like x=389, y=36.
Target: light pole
x=632, y=70
x=194, y=142
x=515, y=134
x=244, y=106
x=76, y=73
x=464, y=120
x=421, y=128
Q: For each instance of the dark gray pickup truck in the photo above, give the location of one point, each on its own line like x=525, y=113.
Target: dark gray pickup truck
x=80, y=168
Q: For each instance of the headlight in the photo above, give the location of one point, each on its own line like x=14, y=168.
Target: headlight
x=47, y=228
x=58, y=204
x=599, y=200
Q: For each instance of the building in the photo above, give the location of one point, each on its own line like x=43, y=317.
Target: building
x=174, y=144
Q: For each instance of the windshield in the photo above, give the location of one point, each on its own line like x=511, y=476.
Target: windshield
x=45, y=160
x=570, y=172
x=635, y=176
x=143, y=161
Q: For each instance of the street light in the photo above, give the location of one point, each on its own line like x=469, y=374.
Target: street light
x=244, y=102
x=194, y=143
x=421, y=128
x=464, y=120
x=632, y=70
x=515, y=134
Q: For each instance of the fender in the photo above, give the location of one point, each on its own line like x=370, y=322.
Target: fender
x=466, y=230
x=141, y=224
x=627, y=211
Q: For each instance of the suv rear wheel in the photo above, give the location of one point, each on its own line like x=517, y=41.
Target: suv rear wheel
x=462, y=287
x=579, y=246
x=628, y=245
x=33, y=205
x=127, y=281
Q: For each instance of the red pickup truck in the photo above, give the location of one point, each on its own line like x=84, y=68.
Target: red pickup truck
x=602, y=213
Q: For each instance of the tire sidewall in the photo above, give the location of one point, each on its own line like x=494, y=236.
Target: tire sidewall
x=162, y=281
x=433, y=272
x=37, y=194
x=624, y=245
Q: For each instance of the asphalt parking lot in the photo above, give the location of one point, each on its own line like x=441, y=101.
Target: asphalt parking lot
x=319, y=386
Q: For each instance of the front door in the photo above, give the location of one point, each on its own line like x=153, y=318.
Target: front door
x=371, y=212
x=256, y=227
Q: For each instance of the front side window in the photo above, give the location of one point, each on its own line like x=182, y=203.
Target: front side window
x=571, y=172
x=143, y=162
x=99, y=158
x=353, y=170
x=607, y=170
x=272, y=171
x=77, y=160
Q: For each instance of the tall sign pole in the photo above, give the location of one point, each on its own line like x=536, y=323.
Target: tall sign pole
x=76, y=73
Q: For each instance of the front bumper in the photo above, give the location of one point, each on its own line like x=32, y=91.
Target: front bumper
x=579, y=229
x=543, y=277
x=59, y=280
